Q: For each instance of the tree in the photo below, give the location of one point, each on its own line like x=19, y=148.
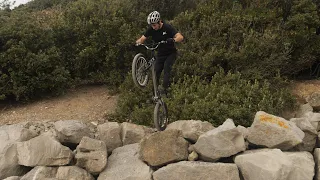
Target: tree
x=6, y=4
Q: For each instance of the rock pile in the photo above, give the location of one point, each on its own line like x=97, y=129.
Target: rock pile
x=271, y=148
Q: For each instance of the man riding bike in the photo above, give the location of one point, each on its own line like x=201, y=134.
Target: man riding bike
x=167, y=53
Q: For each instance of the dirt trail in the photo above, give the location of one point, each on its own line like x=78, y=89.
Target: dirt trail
x=88, y=103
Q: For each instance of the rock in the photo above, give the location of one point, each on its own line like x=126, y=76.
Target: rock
x=243, y=130
x=71, y=131
x=12, y=178
x=9, y=136
x=314, y=100
x=132, y=133
x=187, y=170
x=73, y=172
x=110, y=134
x=264, y=164
x=191, y=129
x=43, y=151
x=316, y=155
x=223, y=141
x=274, y=132
x=91, y=155
x=9, y=165
x=310, y=138
x=16, y=133
x=303, y=166
x=314, y=119
x=303, y=109
x=124, y=164
x=40, y=172
x=193, y=156
x=164, y=147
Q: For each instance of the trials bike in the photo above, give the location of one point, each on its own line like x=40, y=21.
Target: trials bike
x=141, y=73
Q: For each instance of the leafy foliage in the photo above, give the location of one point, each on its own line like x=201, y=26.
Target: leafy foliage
x=48, y=46
x=227, y=95
x=253, y=37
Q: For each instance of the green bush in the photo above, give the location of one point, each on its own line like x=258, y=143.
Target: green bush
x=31, y=65
x=255, y=38
x=227, y=95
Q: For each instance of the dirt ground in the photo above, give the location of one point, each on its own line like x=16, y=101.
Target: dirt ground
x=91, y=103
x=88, y=103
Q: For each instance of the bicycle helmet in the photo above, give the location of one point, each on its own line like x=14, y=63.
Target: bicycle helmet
x=153, y=17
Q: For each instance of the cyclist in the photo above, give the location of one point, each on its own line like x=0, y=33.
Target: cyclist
x=167, y=53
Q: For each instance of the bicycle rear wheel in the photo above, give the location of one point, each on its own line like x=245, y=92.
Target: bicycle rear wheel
x=160, y=115
x=140, y=74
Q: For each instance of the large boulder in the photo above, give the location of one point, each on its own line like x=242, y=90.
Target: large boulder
x=164, y=147
x=274, y=132
x=310, y=138
x=124, y=164
x=303, y=166
x=71, y=131
x=197, y=170
x=191, y=129
x=314, y=100
x=41, y=172
x=9, y=136
x=91, y=155
x=43, y=151
x=264, y=164
x=133, y=133
x=223, y=141
x=73, y=172
x=110, y=134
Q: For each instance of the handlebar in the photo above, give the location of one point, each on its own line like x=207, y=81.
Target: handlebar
x=152, y=46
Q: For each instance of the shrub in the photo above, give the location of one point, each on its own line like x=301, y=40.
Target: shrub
x=226, y=95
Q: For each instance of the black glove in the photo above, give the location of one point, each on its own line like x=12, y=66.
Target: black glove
x=170, y=40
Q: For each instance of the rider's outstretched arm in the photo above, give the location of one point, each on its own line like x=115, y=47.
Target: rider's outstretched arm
x=141, y=40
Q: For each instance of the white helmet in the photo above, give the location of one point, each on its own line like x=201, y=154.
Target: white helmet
x=153, y=17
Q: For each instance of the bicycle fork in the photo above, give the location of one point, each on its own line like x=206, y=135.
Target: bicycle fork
x=155, y=85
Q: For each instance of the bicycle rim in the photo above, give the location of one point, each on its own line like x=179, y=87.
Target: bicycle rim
x=139, y=73
x=160, y=115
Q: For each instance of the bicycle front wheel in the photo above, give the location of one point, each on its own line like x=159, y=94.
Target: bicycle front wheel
x=140, y=74
x=160, y=115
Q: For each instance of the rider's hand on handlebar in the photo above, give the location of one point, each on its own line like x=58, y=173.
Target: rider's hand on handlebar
x=138, y=43
x=170, y=40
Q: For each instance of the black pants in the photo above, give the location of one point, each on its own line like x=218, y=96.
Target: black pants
x=164, y=63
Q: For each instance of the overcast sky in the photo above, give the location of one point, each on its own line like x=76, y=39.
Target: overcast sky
x=18, y=2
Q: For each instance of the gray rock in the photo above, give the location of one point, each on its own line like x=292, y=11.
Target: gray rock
x=274, y=132
x=310, y=138
x=164, y=147
x=314, y=100
x=13, y=178
x=9, y=135
x=124, y=164
x=316, y=155
x=187, y=170
x=303, y=166
x=40, y=173
x=264, y=165
x=91, y=155
x=132, y=133
x=303, y=109
x=43, y=151
x=73, y=172
x=71, y=131
x=223, y=141
x=110, y=134
x=191, y=129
